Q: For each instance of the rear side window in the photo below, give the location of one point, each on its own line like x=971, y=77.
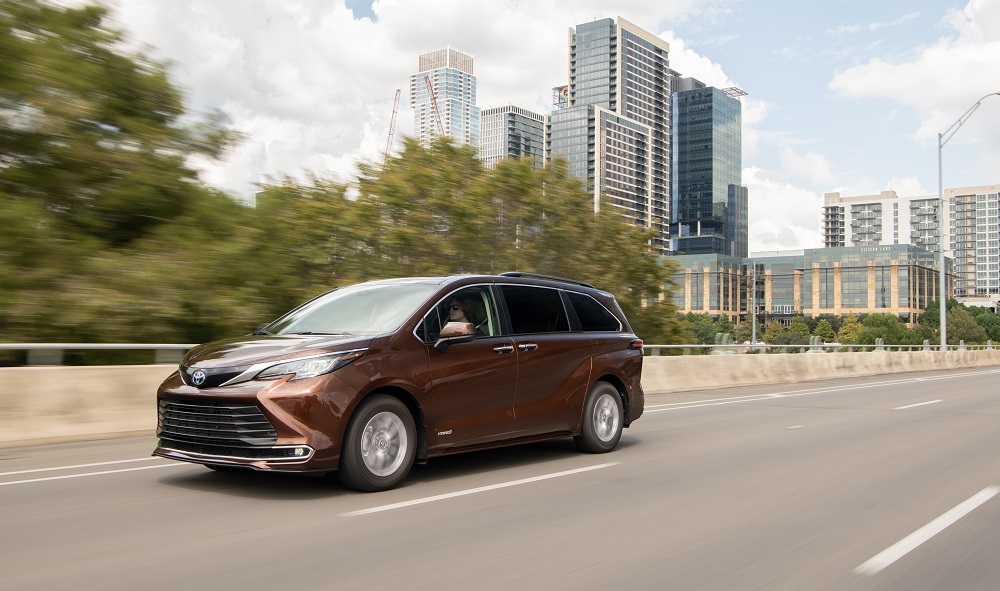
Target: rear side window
x=534, y=309
x=593, y=316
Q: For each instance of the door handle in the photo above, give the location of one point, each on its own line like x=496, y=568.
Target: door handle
x=504, y=349
x=528, y=346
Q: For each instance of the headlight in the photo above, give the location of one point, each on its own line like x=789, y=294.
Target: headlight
x=310, y=367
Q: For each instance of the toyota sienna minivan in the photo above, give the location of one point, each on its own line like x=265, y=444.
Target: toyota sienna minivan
x=367, y=379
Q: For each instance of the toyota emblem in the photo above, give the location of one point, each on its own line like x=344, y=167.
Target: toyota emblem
x=198, y=378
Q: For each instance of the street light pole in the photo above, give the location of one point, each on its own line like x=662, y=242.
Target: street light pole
x=942, y=140
x=753, y=307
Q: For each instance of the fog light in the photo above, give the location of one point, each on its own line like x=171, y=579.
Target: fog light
x=299, y=451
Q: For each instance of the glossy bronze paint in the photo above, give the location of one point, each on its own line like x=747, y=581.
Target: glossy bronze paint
x=463, y=398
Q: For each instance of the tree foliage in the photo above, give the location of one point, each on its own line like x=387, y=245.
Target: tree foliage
x=849, y=328
x=773, y=333
x=991, y=325
x=886, y=327
x=824, y=331
x=963, y=327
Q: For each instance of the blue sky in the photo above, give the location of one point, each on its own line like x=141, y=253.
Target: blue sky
x=843, y=95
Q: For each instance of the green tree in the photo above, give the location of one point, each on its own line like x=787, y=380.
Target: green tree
x=745, y=331
x=703, y=326
x=93, y=153
x=723, y=325
x=884, y=326
x=773, y=332
x=849, y=330
x=963, y=327
x=991, y=325
x=833, y=320
x=799, y=327
x=91, y=132
x=932, y=313
x=824, y=331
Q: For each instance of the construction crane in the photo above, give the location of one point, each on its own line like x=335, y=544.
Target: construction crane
x=434, y=103
x=392, y=128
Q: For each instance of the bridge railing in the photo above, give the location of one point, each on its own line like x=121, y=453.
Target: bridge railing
x=55, y=353
x=730, y=349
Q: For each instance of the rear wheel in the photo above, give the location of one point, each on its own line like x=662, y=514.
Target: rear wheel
x=379, y=446
x=602, y=420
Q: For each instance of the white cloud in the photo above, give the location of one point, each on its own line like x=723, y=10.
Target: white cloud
x=944, y=80
x=311, y=87
x=782, y=215
x=875, y=25
x=811, y=167
x=691, y=64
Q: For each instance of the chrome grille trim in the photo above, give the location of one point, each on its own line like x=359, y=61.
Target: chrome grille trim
x=214, y=422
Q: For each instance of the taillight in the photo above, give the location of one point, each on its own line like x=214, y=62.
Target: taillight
x=635, y=344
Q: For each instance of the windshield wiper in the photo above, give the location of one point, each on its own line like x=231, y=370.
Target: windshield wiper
x=324, y=333
x=261, y=332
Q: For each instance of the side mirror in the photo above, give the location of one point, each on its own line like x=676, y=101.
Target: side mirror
x=454, y=333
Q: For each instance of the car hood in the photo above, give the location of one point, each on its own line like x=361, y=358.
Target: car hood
x=248, y=350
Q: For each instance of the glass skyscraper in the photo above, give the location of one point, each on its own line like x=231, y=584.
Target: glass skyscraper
x=449, y=73
x=709, y=211
x=512, y=132
x=614, y=130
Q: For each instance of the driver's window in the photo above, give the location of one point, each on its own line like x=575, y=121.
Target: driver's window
x=470, y=304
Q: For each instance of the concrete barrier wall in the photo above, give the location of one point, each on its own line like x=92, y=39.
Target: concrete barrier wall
x=661, y=375
x=50, y=404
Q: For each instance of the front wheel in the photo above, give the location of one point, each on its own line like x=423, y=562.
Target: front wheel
x=602, y=420
x=379, y=446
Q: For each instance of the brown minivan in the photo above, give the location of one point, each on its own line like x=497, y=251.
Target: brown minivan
x=367, y=379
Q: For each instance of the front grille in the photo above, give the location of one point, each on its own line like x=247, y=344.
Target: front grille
x=213, y=424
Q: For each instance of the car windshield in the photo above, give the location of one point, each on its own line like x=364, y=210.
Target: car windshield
x=359, y=309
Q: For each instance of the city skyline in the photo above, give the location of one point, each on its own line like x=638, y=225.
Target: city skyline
x=844, y=96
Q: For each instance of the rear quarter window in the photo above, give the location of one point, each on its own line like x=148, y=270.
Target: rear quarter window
x=594, y=317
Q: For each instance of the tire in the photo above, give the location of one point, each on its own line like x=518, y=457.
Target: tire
x=379, y=445
x=602, y=420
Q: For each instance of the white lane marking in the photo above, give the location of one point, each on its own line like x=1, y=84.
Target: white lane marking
x=904, y=546
x=795, y=393
x=795, y=427
x=92, y=474
x=76, y=466
x=917, y=404
x=472, y=491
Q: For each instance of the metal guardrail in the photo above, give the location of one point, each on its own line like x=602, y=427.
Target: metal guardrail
x=730, y=349
x=52, y=353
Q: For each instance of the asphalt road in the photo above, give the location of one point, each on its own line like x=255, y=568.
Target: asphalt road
x=875, y=483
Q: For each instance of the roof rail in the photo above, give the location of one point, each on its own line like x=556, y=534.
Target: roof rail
x=549, y=277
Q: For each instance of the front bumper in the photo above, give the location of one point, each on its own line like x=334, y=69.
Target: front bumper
x=265, y=425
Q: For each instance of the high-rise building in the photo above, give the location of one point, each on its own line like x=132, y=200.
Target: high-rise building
x=874, y=220
x=709, y=207
x=443, y=97
x=614, y=130
x=971, y=236
x=974, y=239
x=512, y=132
